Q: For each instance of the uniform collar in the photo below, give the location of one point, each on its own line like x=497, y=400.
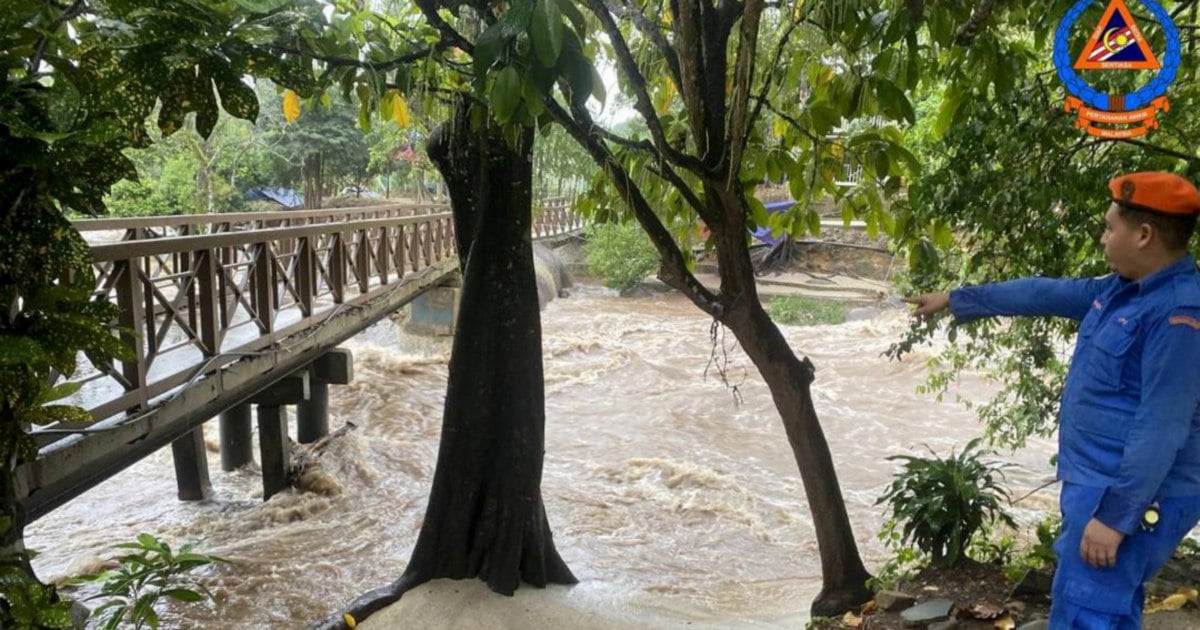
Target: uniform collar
x=1185, y=264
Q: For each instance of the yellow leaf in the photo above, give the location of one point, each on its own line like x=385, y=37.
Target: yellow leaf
x=400, y=110
x=1191, y=594
x=1005, y=623
x=291, y=106
x=852, y=620
x=666, y=93
x=349, y=620
x=1174, y=602
x=779, y=127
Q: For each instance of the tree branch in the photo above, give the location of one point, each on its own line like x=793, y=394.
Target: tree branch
x=970, y=30
x=642, y=103
x=743, y=77
x=69, y=13
x=1163, y=150
x=429, y=8
x=673, y=268
x=691, y=68
x=762, y=96
x=665, y=172
x=652, y=32
x=345, y=62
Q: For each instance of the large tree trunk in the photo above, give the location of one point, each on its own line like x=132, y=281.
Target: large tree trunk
x=485, y=516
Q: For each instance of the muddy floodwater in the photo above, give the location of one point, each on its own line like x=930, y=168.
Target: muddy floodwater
x=658, y=486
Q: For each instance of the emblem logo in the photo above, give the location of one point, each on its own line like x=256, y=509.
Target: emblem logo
x=1117, y=43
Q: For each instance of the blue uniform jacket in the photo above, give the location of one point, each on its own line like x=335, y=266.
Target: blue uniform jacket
x=1130, y=413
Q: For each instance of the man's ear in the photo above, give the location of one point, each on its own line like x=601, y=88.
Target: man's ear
x=1146, y=234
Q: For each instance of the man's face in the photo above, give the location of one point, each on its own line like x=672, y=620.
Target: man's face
x=1120, y=240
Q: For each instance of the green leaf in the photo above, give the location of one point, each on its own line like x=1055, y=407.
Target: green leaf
x=814, y=223
x=21, y=351
x=506, y=94
x=262, y=6
x=207, y=112
x=488, y=48
x=572, y=12
x=237, y=98
x=894, y=101
x=881, y=164
x=951, y=100
x=546, y=31
x=758, y=212
x=184, y=595
x=532, y=97
x=364, y=107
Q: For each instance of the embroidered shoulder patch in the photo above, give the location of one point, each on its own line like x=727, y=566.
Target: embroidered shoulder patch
x=1184, y=320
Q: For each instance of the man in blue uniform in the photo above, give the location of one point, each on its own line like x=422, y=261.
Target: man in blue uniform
x=1129, y=431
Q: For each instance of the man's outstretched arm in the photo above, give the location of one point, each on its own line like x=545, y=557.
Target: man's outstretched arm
x=1027, y=296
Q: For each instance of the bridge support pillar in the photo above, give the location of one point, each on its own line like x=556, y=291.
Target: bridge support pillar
x=236, y=447
x=273, y=443
x=191, y=466
x=335, y=367
x=434, y=312
x=312, y=415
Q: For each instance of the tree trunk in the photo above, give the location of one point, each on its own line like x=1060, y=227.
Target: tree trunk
x=844, y=578
x=485, y=516
x=12, y=518
x=311, y=171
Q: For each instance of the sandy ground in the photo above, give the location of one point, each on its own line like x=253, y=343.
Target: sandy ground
x=469, y=605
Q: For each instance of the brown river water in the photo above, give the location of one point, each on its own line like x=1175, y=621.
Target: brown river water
x=659, y=487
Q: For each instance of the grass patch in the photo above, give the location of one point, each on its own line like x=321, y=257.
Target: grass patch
x=799, y=310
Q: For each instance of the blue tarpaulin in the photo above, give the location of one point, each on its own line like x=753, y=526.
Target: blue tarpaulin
x=764, y=233
x=285, y=197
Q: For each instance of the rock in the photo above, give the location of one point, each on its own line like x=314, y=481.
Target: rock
x=927, y=613
x=1033, y=583
x=949, y=624
x=892, y=601
x=1036, y=624
x=1015, y=606
x=79, y=615
x=862, y=314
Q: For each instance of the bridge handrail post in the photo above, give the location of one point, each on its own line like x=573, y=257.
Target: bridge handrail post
x=133, y=327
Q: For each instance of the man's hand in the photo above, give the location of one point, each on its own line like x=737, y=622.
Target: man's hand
x=929, y=303
x=1099, y=544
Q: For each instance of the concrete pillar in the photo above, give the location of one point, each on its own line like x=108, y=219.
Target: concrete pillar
x=434, y=312
x=312, y=415
x=236, y=447
x=274, y=449
x=191, y=466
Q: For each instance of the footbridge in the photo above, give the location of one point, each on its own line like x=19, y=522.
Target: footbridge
x=223, y=312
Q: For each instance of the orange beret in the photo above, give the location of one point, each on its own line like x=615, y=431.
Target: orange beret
x=1164, y=193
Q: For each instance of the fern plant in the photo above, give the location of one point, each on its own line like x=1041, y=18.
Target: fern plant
x=939, y=504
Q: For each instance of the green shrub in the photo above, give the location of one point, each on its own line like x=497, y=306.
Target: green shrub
x=26, y=603
x=1040, y=554
x=903, y=565
x=148, y=573
x=799, y=310
x=620, y=254
x=939, y=504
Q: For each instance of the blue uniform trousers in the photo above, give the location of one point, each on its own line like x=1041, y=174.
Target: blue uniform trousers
x=1087, y=598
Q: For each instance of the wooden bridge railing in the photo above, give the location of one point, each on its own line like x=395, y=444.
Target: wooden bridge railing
x=198, y=292
x=190, y=304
